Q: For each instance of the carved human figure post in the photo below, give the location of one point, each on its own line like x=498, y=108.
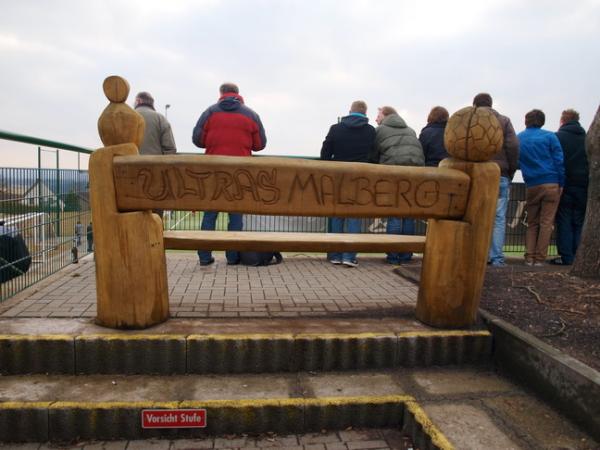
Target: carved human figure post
x=131, y=277
x=456, y=251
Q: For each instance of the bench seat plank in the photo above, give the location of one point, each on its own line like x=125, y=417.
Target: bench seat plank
x=292, y=242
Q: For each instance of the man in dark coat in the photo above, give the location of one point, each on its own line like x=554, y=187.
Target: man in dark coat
x=573, y=201
x=351, y=140
x=432, y=136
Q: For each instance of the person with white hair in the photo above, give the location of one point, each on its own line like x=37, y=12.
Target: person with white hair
x=158, y=136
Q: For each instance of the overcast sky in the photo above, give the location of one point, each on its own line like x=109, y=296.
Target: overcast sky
x=299, y=64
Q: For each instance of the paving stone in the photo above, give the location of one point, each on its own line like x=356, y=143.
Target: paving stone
x=360, y=435
x=236, y=442
x=524, y=414
x=15, y=446
x=320, y=438
x=457, y=381
x=336, y=446
x=358, y=445
x=51, y=446
x=454, y=418
x=106, y=445
x=149, y=444
x=314, y=447
x=351, y=385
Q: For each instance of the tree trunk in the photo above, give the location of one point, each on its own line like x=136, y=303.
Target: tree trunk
x=587, y=260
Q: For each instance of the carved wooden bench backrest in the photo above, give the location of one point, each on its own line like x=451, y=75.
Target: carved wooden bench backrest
x=286, y=186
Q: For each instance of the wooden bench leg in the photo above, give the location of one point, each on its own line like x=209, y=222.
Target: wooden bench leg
x=131, y=275
x=443, y=299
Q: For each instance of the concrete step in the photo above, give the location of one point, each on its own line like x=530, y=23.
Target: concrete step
x=452, y=407
x=145, y=353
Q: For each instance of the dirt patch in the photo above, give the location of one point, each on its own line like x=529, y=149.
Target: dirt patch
x=546, y=302
x=559, y=309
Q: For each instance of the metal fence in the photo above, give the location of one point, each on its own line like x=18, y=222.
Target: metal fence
x=46, y=208
x=49, y=208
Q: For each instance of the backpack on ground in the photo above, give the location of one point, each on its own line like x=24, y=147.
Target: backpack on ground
x=15, y=258
x=260, y=258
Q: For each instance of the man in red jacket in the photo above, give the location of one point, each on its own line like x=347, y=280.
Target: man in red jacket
x=227, y=128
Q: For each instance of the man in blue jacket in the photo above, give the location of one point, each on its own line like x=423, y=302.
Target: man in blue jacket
x=541, y=161
x=573, y=201
x=352, y=140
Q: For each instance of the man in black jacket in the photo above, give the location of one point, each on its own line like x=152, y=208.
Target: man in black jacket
x=571, y=209
x=351, y=140
x=432, y=136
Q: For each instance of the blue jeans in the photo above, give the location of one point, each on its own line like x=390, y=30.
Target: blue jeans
x=569, y=221
x=337, y=226
x=396, y=225
x=496, y=255
x=209, y=221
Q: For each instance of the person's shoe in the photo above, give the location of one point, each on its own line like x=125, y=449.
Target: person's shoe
x=335, y=261
x=529, y=263
x=538, y=264
x=350, y=263
x=233, y=263
x=559, y=262
x=497, y=264
x=207, y=263
x=394, y=262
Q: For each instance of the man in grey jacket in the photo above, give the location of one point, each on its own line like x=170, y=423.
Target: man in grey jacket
x=158, y=137
x=508, y=160
x=396, y=144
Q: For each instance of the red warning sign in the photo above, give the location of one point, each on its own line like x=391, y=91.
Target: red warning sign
x=173, y=418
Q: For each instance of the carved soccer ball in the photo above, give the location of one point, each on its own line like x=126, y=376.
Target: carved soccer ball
x=473, y=134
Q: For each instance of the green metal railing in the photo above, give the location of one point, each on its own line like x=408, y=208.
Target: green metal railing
x=7, y=135
x=49, y=208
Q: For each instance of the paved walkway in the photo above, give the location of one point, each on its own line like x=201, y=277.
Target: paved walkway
x=302, y=286
x=372, y=439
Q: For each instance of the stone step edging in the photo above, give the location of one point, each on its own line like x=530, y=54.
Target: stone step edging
x=232, y=353
x=68, y=421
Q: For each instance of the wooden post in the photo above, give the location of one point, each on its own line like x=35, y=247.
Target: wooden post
x=131, y=275
x=456, y=252
x=455, y=257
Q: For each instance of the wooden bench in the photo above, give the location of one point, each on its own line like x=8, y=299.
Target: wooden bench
x=458, y=199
